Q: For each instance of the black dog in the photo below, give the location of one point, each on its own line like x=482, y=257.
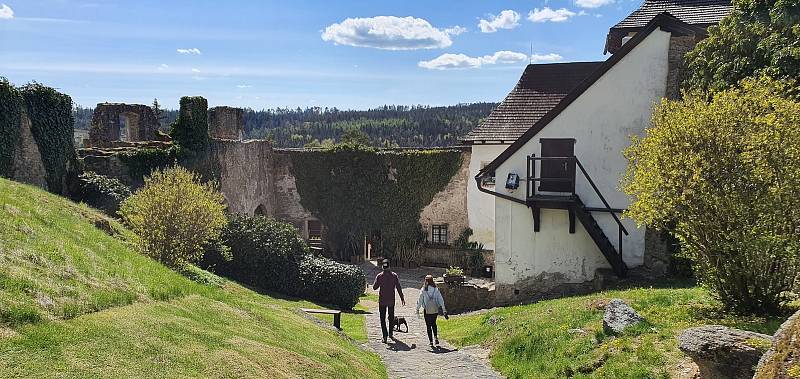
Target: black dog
x=400, y=321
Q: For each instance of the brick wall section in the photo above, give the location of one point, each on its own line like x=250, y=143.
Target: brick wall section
x=450, y=205
x=26, y=165
x=226, y=123
x=676, y=65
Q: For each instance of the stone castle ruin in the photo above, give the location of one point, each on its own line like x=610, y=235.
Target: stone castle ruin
x=113, y=122
x=254, y=177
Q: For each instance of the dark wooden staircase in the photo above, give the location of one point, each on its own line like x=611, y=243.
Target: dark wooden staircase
x=561, y=195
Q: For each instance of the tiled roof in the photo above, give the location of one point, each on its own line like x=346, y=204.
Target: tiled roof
x=692, y=12
x=539, y=89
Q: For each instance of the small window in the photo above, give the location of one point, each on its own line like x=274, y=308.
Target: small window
x=439, y=234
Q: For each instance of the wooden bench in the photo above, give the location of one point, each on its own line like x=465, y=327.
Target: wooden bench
x=337, y=315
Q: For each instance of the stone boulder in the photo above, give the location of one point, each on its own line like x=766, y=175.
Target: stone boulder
x=782, y=360
x=618, y=316
x=722, y=352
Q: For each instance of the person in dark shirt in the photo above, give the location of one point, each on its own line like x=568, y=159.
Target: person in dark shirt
x=387, y=281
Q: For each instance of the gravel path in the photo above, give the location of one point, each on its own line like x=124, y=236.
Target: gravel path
x=409, y=355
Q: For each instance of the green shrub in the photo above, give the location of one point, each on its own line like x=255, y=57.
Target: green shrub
x=332, y=282
x=723, y=176
x=265, y=253
x=175, y=216
x=101, y=192
x=142, y=162
x=271, y=255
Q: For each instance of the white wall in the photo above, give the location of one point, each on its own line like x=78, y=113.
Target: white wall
x=602, y=121
x=480, y=205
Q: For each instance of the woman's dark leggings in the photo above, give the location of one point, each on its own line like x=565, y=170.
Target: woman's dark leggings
x=430, y=324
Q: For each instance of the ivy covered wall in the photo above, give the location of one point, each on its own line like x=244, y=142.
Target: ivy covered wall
x=190, y=129
x=51, y=126
x=52, y=123
x=11, y=103
x=357, y=191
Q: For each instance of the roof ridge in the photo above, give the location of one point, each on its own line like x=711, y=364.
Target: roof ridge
x=664, y=21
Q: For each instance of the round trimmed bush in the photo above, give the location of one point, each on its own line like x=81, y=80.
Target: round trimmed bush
x=264, y=253
x=332, y=282
x=271, y=255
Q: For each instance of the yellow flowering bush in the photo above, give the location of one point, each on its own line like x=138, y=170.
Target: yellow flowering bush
x=723, y=175
x=175, y=215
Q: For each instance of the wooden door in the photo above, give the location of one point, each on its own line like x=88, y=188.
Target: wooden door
x=557, y=169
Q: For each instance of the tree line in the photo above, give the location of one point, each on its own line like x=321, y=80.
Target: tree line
x=386, y=126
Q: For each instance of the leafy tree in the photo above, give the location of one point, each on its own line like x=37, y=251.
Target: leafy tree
x=355, y=136
x=758, y=37
x=175, y=216
x=160, y=116
x=723, y=175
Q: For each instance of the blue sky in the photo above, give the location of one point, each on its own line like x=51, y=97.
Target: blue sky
x=264, y=54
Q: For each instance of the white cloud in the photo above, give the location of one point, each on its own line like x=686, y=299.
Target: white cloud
x=462, y=61
x=456, y=30
x=507, y=19
x=451, y=62
x=194, y=51
x=592, y=3
x=6, y=13
x=388, y=33
x=547, y=14
x=163, y=67
x=539, y=58
x=195, y=70
x=244, y=86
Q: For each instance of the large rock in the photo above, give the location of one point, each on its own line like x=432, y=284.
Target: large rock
x=722, y=352
x=782, y=360
x=619, y=316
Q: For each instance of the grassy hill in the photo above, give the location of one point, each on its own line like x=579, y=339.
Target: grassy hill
x=564, y=337
x=77, y=301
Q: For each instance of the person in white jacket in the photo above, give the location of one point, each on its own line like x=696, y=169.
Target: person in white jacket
x=430, y=300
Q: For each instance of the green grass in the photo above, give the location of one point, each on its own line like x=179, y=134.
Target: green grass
x=353, y=322
x=565, y=338
x=76, y=302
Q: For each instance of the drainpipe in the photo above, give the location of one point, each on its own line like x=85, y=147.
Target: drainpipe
x=498, y=194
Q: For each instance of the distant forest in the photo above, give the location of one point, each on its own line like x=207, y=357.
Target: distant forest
x=387, y=126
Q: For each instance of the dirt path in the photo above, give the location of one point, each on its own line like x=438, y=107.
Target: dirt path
x=409, y=355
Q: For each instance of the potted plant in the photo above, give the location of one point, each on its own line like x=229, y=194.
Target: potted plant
x=454, y=275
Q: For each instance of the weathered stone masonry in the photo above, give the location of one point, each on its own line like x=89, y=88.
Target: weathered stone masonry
x=105, y=129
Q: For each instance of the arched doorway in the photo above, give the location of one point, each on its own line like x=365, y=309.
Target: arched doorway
x=261, y=210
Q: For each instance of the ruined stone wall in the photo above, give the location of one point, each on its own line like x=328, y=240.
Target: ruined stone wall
x=244, y=171
x=226, y=123
x=450, y=205
x=676, y=64
x=287, y=199
x=27, y=165
x=105, y=127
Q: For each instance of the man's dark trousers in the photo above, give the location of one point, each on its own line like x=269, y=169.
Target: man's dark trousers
x=382, y=310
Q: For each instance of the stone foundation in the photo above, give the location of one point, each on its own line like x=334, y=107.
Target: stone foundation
x=469, y=296
x=550, y=286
